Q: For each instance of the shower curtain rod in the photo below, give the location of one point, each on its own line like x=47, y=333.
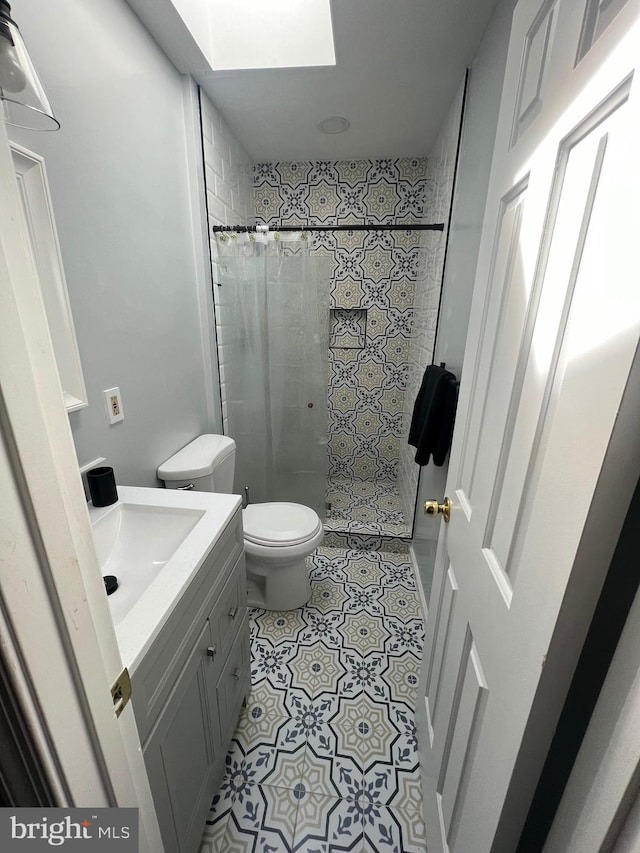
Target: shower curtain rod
x=217, y=229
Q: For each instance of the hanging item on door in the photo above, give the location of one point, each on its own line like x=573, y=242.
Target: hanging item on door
x=434, y=414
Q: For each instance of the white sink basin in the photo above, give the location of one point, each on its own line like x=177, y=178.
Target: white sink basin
x=154, y=541
x=134, y=543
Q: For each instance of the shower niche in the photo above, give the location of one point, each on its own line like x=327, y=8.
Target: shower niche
x=348, y=328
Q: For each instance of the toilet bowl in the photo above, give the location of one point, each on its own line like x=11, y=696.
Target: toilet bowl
x=278, y=536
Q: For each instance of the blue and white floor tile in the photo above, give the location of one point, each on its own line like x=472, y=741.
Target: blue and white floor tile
x=325, y=757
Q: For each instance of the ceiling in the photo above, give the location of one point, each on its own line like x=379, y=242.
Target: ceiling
x=398, y=66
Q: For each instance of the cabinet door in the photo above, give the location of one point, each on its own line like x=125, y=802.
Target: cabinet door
x=229, y=610
x=180, y=755
x=233, y=684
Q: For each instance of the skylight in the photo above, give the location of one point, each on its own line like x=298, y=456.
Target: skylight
x=235, y=34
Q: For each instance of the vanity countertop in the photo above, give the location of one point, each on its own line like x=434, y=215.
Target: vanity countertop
x=139, y=620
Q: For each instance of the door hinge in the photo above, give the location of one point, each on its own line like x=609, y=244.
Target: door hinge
x=121, y=691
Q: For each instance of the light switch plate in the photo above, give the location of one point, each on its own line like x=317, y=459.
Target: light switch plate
x=113, y=402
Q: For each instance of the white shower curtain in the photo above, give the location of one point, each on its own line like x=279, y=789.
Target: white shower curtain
x=272, y=303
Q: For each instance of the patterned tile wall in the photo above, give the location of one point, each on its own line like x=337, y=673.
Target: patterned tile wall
x=375, y=271
x=439, y=190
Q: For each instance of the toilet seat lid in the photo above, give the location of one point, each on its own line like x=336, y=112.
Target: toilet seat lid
x=279, y=523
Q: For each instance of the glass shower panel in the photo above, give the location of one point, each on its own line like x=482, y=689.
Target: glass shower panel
x=241, y=313
x=274, y=331
x=298, y=334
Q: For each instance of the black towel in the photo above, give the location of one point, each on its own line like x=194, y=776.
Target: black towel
x=434, y=415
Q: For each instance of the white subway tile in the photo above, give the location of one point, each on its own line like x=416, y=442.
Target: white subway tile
x=223, y=191
x=206, y=128
x=216, y=209
x=209, y=176
x=216, y=162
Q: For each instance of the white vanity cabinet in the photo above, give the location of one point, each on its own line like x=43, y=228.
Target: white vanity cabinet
x=188, y=689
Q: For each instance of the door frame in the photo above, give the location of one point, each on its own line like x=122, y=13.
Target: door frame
x=605, y=777
x=58, y=638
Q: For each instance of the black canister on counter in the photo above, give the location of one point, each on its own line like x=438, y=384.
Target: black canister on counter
x=102, y=486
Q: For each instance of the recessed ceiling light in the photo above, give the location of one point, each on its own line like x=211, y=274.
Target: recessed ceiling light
x=334, y=124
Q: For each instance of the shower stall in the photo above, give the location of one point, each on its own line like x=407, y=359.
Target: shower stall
x=272, y=308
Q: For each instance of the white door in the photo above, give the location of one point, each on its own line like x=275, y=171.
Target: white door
x=57, y=636
x=538, y=495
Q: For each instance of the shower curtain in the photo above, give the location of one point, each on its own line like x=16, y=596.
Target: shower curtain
x=272, y=304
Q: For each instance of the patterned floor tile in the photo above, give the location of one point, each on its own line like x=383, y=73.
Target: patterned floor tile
x=324, y=758
x=398, y=574
x=364, y=571
x=404, y=636
x=316, y=669
x=327, y=825
x=401, y=676
x=363, y=599
x=405, y=749
x=276, y=626
x=212, y=839
x=327, y=772
x=236, y=784
x=400, y=602
x=281, y=809
x=309, y=715
x=322, y=625
x=365, y=507
x=328, y=595
x=264, y=709
x=216, y=825
x=329, y=563
x=364, y=729
x=394, y=830
x=253, y=613
x=263, y=822
x=278, y=760
x=269, y=662
x=368, y=542
x=408, y=794
x=364, y=674
x=364, y=633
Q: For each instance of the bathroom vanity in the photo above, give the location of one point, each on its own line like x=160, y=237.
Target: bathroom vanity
x=185, y=640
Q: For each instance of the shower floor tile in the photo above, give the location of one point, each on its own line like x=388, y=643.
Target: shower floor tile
x=366, y=508
x=325, y=755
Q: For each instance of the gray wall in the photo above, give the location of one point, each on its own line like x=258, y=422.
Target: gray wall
x=122, y=173
x=479, y=129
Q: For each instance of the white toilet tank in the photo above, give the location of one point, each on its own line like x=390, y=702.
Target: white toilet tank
x=205, y=465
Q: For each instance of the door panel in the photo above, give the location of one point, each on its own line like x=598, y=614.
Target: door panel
x=444, y=618
x=534, y=72
x=505, y=316
x=468, y=706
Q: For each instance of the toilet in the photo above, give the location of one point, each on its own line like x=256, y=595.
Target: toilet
x=278, y=537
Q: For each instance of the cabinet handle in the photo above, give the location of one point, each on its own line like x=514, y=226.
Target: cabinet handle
x=212, y=651
x=236, y=674
x=233, y=613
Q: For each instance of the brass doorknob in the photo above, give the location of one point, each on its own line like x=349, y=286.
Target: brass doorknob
x=433, y=508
